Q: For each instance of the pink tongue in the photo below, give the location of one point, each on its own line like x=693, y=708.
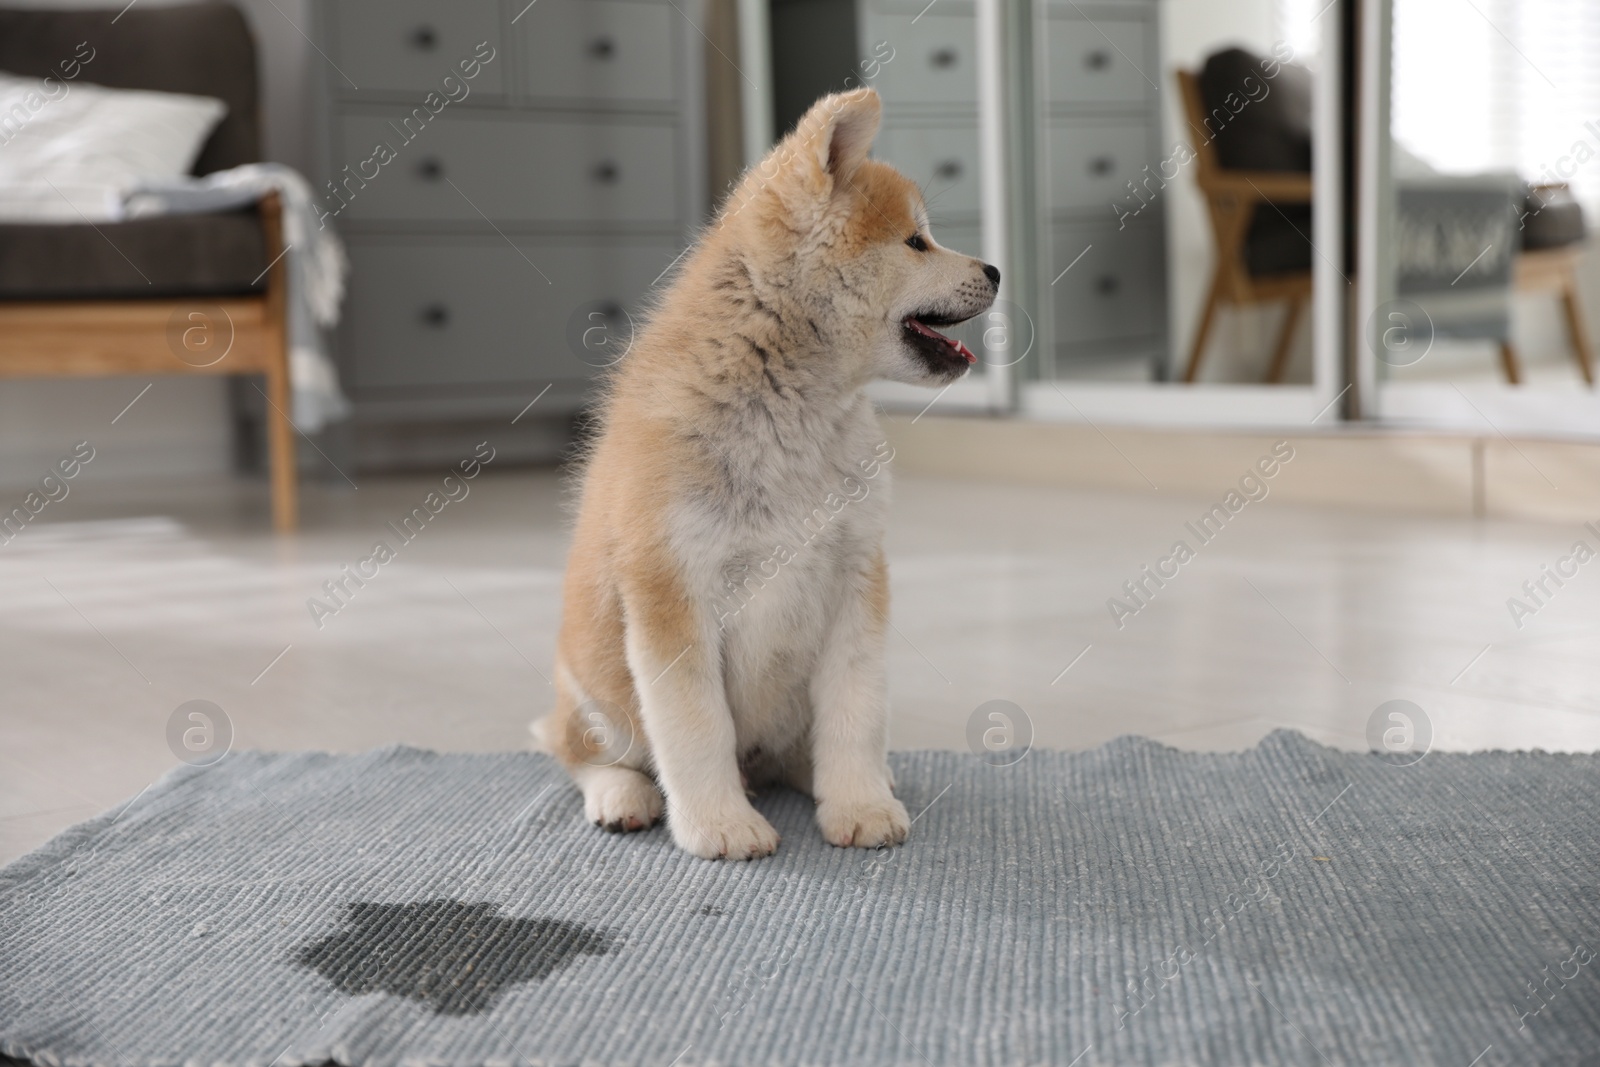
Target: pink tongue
x=962, y=350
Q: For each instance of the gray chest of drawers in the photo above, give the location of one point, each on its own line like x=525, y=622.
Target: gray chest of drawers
x=510, y=179
x=1099, y=126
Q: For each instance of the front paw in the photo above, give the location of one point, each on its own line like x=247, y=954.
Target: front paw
x=733, y=833
x=869, y=823
x=621, y=801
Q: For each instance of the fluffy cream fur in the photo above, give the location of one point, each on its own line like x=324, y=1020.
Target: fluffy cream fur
x=726, y=596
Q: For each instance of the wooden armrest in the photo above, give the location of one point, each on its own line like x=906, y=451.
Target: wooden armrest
x=270, y=207
x=1275, y=185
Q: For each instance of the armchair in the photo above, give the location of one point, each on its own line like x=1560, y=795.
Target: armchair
x=182, y=294
x=1260, y=254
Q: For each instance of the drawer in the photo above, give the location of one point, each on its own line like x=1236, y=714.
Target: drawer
x=916, y=7
x=1115, y=290
x=521, y=169
x=943, y=160
x=439, y=313
x=933, y=62
x=1091, y=164
x=966, y=238
x=413, y=45
x=1099, y=62
x=598, y=50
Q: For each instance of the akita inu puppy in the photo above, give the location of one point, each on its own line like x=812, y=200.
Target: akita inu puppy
x=735, y=441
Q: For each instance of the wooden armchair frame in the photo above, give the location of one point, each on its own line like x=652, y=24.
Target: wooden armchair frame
x=1232, y=198
x=1545, y=270
x=100, y=338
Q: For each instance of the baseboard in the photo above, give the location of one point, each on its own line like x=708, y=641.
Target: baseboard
x=1402, y=473
x=165, y=426
x=395, y=447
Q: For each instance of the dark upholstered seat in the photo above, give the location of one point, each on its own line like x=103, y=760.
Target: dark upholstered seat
x=90, y=301
x=1250, y=122
x=1270, y=131
x=180, y=255
x=1552, y=221
x=1258, y=123
x=1279, y=240
x=205, y=49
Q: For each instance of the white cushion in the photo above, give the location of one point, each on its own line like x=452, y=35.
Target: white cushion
x=68, y=148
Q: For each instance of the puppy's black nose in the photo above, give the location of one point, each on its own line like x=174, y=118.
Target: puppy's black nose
x=993, y=273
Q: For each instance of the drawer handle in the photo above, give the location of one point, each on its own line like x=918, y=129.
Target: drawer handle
x=430, y=169
x=603, y=48
x=424, y=38
x=1102, y=165
x=949, y=170
x=1106, y=285
x=943, y=58
x=1099, y=59
x=607, y=173
x=435, y=315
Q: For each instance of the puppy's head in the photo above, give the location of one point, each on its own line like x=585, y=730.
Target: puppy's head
x=847, y=238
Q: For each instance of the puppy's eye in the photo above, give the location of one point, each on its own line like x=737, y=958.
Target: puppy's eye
x=916, y=241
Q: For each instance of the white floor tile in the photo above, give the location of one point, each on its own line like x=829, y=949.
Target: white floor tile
x=131, y=600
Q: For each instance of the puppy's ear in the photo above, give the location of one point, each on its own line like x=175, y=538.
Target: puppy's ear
x=819, y=157
x=828, y=144
x=840, y=130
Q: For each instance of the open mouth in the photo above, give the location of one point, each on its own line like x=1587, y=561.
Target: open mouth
x=941, y=352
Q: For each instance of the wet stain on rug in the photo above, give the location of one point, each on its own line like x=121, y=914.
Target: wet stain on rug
x=453, y=956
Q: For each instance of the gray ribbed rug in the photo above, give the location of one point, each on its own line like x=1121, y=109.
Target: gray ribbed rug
x=1134, y=904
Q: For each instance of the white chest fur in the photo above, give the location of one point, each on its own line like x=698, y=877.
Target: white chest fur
x=771, y=560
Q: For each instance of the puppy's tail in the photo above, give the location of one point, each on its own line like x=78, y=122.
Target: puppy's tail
x=543, y=731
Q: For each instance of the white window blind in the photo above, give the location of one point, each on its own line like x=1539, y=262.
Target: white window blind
x=1501, y=85
x=1299, y=24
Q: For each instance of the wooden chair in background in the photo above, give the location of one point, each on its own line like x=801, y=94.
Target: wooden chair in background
x=1232, y=198
x=97, y=338
x=72, y=301
x=1552, y=270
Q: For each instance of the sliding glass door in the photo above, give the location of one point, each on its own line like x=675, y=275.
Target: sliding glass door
x=1480, y=172
x=1181, y=221
x=1162, y=183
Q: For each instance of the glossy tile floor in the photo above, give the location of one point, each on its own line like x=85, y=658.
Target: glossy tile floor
x=123, y=602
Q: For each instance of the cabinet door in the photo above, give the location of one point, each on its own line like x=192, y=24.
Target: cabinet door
x=933, y=60
x=1092, y=162
x=1111, y=291
x=445, y=313
x=1098, y=62
x=942, y=159
x=517, y=168
x=598, y=50
x=413, y=45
